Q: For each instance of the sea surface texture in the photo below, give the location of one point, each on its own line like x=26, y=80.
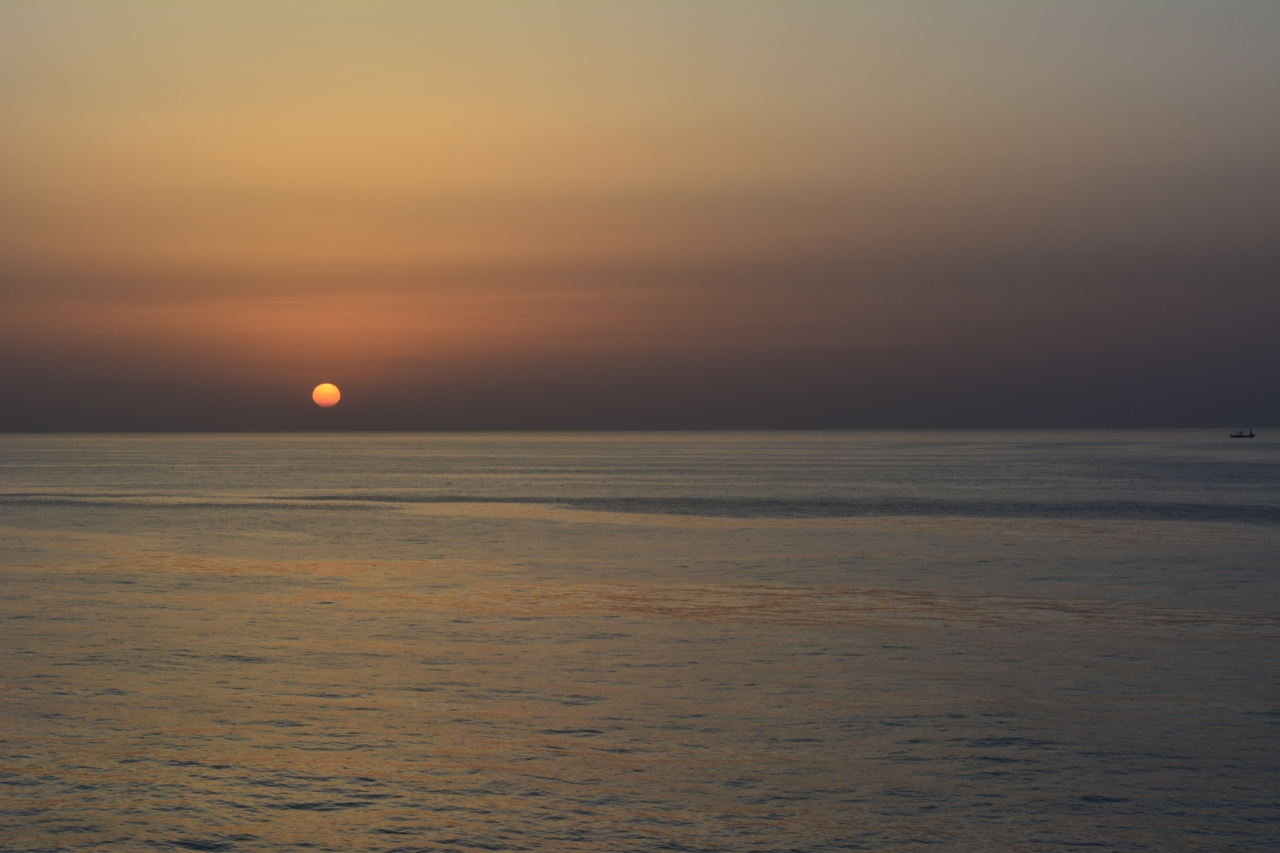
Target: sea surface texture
x=665, y=642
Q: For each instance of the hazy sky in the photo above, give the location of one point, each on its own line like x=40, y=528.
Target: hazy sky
x=657, y=214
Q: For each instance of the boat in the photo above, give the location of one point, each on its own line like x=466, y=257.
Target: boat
x=1240, y=433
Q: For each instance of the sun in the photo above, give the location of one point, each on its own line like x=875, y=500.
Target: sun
x=326, y=395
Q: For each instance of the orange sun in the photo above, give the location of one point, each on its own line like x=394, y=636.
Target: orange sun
x=326, y=395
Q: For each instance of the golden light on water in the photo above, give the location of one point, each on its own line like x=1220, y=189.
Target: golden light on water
x=326, y=395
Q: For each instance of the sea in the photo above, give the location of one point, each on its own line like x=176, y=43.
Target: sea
x=718, y=642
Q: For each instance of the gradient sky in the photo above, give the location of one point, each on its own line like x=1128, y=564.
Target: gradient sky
x=639, y=215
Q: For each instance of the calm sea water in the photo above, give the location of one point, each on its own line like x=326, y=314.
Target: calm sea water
x=672, y=642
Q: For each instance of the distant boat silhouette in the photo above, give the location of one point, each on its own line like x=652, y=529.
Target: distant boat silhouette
x=1240, y=433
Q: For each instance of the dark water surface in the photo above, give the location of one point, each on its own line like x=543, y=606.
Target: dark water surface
x=675, y=642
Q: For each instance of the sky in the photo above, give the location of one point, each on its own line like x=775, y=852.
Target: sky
x=639, y=215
